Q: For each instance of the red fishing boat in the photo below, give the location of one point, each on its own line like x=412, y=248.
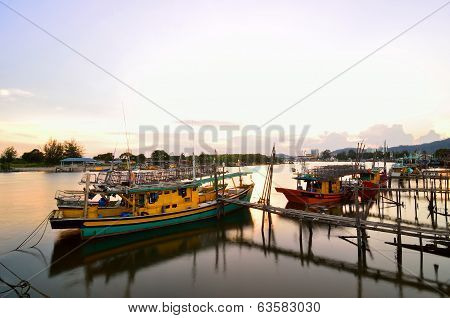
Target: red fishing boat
x=323, y=186
x=311, y=198
x=372, y=180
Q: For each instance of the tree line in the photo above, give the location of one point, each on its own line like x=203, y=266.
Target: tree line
x=50, y=153
x=161, y=157
x=54, y=151
x=441, y=154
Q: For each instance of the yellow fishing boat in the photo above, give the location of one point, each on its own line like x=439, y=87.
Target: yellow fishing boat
x=131, y=205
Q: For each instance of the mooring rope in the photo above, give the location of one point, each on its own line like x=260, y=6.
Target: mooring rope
x=22, y=292
x=34, y=232
x=22, y=288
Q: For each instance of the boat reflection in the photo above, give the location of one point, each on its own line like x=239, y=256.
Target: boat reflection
x=110, y=256
x=340, y=209
x=361, y=269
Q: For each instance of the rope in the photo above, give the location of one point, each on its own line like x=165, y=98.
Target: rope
x=23, y=284
x=34, y=232
x=22, y=292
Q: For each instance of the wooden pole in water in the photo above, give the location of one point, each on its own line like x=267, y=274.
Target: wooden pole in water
x=223, y=179
x=421, y=257
x=397, y=203
x=216, y=186
x=423, y=185
x=358, y=221
x=435, y=202
x=445, y=202
x=415, y=207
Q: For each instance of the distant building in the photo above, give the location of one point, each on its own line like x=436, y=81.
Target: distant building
x=315, y=152
x=77, y=161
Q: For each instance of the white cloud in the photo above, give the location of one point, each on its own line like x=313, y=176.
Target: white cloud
x=14, y=92
x=429, y=137
x=395, y=135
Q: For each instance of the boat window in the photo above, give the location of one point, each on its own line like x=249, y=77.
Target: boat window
x=167, y=206
x=166, y=192
x=141, y=200
x=182, y=192
x=174, y=205
x=152, y=197
x=173, y=191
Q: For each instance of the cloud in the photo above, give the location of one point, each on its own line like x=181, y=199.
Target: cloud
x=25, y=135
x=122, y=133
x=394, y=135
x=14, y=92
x=207, y=122
x=331, y=141
x=373, y=136
x=429, y=137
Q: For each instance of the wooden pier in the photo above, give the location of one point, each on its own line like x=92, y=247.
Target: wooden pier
x=423, y=232
x=398, y=278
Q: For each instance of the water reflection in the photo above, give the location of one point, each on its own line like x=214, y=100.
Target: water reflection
x=111, y=256
x=226, y=258
x=360, y=269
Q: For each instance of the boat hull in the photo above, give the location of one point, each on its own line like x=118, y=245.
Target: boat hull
x=369, y=190
x=311, y=198
x=114, y=226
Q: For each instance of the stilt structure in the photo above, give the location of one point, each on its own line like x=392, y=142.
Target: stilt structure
x=264, y=200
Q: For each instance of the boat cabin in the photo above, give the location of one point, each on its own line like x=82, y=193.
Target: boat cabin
x=371, y=175
x=317, y=185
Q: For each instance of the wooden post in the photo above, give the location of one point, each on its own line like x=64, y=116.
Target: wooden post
x=415, y=207
x=358, y=222
x=86, y=195
x=445, y=202
x=216, y=186
x=397, y=203
x=421, y=257
x=423, y=185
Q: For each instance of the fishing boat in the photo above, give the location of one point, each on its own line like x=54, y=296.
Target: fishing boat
x=323, y=185
x=372, y=180
x=143, y=203
x=406, y=166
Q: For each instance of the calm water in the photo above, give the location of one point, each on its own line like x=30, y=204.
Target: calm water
x=228, y=258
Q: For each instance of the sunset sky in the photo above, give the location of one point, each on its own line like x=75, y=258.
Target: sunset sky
x=224, y=63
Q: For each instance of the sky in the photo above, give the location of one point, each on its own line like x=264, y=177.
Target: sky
x=223, y=64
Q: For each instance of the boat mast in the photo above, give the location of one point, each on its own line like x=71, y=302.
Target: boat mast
x=128, y=143
x=86, y=194
x=114, y=156
x=193, y=165
x=193, y=152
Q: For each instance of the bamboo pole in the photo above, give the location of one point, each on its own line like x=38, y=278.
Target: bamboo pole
x=86, y=195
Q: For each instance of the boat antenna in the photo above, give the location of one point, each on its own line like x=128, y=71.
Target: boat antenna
x=193, y=151
x=114, y=156
x=126, y=136
x=374, y=159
